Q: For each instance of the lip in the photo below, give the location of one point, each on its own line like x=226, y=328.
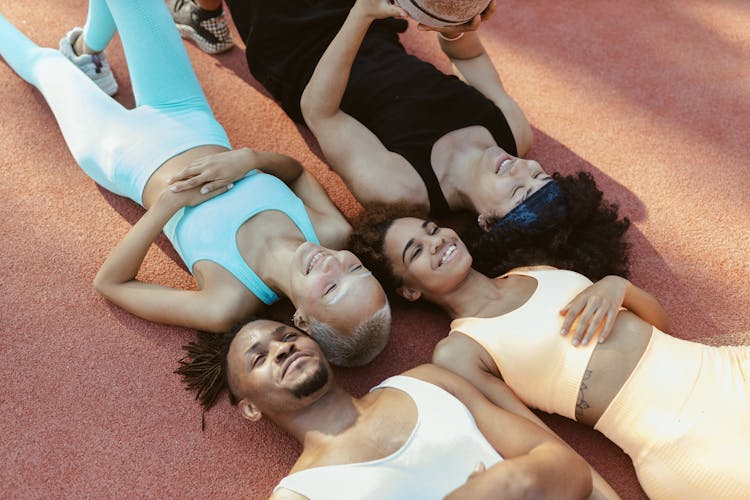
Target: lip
x=503, y=169
x=310, y=256
x=450, y=253
x=313, y=260
x=290, y=361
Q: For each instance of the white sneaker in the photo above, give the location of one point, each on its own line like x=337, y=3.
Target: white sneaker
x=95, y=66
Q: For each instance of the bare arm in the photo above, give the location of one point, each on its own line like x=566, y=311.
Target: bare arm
x=116, y=279
x=535, y=465
x=221, y=170
x=463, y=356
x=472, y=64
x=596, y=308
x=353, y=150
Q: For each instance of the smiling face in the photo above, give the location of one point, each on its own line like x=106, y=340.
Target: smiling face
x=333, y=287
x=502, y=182
x=429, y=259
x=274, y=368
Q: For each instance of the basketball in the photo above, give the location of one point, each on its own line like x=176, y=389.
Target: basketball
x=443, y=12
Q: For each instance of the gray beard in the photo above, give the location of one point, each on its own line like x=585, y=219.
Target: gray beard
x=312, y=384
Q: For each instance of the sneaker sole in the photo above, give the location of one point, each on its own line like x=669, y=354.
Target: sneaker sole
x=188, y=33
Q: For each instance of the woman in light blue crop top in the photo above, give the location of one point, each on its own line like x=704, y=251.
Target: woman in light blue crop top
x=678, y=408
x=245, y=235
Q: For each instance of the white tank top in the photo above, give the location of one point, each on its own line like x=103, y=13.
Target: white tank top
x=439, y=455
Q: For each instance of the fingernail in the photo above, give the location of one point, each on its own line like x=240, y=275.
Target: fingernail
x=601, y=340
x=576, y=342
x=173, y=188
x=204, y=190
x=230, y=185
x=562, y=332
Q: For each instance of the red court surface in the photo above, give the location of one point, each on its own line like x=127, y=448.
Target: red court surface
x=653, y=98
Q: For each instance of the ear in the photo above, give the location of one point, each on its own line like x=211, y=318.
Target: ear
x=484, y=225
x=250, y=411
x=300, y=321
x=408, y=293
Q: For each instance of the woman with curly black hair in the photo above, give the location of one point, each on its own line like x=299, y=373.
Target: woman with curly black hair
x=579, y=231
x=593, y=352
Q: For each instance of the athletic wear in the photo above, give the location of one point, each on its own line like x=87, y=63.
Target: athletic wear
x=442, y=451
x=540, y=365
x=95, y=66
x=120, y=148
x=208, y=29
x=683, y=416
x=208, y=231
x=406, y=102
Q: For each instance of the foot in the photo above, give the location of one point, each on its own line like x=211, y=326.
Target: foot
x=207, y=28
x=95, y=66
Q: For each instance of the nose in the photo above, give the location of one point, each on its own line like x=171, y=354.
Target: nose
x=435, y=243
x=283, y=350
x=331, y=263
x=519, y=167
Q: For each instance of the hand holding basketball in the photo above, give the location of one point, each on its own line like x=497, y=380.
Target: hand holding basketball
x=461, y=15
x=379, y=9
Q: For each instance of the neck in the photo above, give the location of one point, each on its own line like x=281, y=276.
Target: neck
x=275, y=266
x=325, y=419
x=470, y=296
x=454, y=158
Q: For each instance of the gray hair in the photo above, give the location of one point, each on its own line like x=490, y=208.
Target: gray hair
x=361, y=345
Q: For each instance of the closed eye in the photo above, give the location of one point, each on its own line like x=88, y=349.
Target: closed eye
x=330, y=288
x=258, y=360
x=416, y=253
x=289, y=337
x=355, y=268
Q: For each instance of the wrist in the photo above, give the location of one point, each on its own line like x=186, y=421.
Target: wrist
x=451, y=38
x=361, y=14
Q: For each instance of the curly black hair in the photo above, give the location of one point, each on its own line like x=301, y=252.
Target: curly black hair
x=587, y=237
x=368, y=237
x=204, y=368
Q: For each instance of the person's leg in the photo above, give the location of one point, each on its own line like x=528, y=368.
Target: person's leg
x=160, y=70
x=203, y=22
x=84, y=113
x=85, y=46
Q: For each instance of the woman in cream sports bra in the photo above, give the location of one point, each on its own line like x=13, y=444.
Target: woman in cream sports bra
x=596, y=353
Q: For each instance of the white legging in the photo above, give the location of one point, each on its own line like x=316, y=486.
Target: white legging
x=117, y=147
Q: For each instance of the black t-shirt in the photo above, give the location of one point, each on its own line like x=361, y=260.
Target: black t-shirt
x=406, y=102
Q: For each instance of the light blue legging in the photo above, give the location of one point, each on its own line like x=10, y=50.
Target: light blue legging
x=117, y=147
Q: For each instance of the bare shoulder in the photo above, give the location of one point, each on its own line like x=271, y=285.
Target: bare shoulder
x=529, y=268
x=438, y=376
x=284, y=494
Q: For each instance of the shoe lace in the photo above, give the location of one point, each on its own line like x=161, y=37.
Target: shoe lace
x=97, y=62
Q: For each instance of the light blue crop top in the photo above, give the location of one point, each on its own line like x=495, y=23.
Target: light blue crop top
x=442, y=451
x=209, y=231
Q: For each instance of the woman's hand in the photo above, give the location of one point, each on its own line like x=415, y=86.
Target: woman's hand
x=595, y=307
x=378, y=9
x=213, y=172
x=190, y=198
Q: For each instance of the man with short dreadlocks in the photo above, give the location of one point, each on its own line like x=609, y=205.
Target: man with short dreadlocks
x=424, y=434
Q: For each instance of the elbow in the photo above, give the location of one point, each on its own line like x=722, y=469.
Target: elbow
x=310, y=106
x=102, y=286
x=224, y=316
